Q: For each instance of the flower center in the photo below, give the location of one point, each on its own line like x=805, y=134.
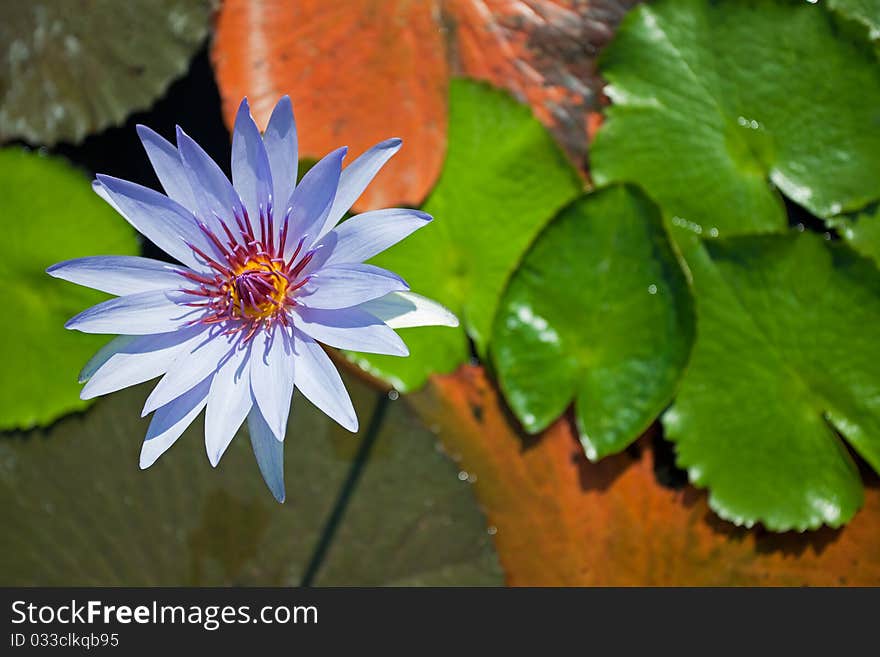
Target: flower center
x=257, y=289
x=250, y=285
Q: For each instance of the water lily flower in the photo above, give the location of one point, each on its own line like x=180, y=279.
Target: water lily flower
x=266, y=274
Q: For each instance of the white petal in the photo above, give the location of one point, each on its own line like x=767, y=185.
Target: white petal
x=350, y=328
x=272, y=372
x=119, y=275
x=189, y=368
x=215, y=196
x=355, y=178
x=269, y=453
x=408, y=309
x=171, y=420
x=164, y=222
x=140, y=359
x=143, y=313
x=250, y=166
x=228, y=404
x=319, y=381
x=370, y=233
x=312, y=199
x=343, y=286
x=169, y=169
x=282, y=148
x=104, y=354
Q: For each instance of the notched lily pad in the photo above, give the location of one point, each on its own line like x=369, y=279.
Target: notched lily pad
x=784, y=370
x=49, y=214
x=714, y=101
x=600, y=313
x=70, y=69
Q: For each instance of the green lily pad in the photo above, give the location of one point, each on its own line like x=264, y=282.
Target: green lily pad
x=503, y=180
x=785, y=360
x=598, y=312
x=866, y=12
x=50, y=214
x=861, y=231
x=714, y=101
x=68, y=70
x=77, y=510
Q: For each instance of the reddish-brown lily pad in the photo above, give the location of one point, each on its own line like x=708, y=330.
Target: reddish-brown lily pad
x=365, y=70
x=560, y=520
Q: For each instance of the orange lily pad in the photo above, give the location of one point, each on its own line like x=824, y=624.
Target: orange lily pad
x=560, y=520
x=358, y=72
x=365, y=70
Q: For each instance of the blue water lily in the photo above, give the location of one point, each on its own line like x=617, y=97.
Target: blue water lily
x=266, y=275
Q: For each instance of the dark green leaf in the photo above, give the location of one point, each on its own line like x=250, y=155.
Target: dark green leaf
x=503, y=180
x=50, y=214
x=599, y=312
x=715, y=100
x=69, y=69
x=862, y=231
x=77, y=510
x=786, y=356
x=866, y=12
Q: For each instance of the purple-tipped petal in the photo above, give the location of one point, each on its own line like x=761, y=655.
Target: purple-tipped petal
x=119, y=275
x=229, y=403
x=312, y=199
x=268, y=451
x=350, y=328
x=215, y=196
x=272, y=372
x=251, y=176
x=318, y=380
x=368, y=234
x=282, y=149
x=205, y=358
x=170, y=421
x=164, y=222
x=143, y=313
x=139, y=359
x=343, y=286
x=408, y=309
x=355, y=178
x=168, y=167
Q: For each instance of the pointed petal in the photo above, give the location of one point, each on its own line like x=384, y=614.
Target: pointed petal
x=215, y=197
x=355, y=178
x=203, y=359
x=171, y=420
x=408, y=309
x=119, y=275
x=101, y=191
x=229, y=402
x=140, y=359
x=143, y=313
x=312, y=199
x=343, y=286
x=164, y=222
x=282, y=148
x=250, y=166
x=168, y=167
x=320, y=254
x=350, y=328
x=269, y=453
x=272, y=373
x=104, y=354
x=370, y=233
x=319, y=381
